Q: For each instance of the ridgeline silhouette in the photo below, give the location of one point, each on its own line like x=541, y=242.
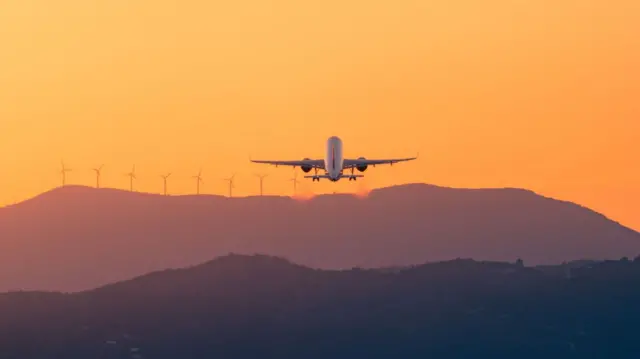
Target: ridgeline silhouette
x=77, y=238
x=264, y=307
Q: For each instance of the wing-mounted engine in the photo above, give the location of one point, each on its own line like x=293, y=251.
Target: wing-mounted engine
x=361, y=168
x=304, y=168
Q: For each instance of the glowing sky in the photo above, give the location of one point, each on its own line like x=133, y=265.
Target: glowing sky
x=540, y=94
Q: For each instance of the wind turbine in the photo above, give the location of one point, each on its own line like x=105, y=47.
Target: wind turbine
x=97, y=171
x=261, y=177
x=132, y=176
x=231, y=184
x=165, y=181
x=295, y=182
x=198, y=181
x=64, y=171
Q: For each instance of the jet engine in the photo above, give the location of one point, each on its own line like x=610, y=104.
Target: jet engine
x=305, y=169
x=361, y=168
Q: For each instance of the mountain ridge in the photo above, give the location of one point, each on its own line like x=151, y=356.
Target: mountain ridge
x=256, y=306
x=77, y=237
x=75, y=190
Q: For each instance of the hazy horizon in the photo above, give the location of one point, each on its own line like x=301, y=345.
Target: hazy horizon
x=77, y=237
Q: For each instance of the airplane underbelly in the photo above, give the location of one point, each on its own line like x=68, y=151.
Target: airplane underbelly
x=334, y=160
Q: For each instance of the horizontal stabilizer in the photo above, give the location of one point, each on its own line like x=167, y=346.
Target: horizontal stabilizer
x=318, y=177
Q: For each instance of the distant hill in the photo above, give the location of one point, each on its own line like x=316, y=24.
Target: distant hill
x=238, y=307
x=76, y=238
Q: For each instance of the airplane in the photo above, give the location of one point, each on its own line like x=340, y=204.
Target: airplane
x=334, y=164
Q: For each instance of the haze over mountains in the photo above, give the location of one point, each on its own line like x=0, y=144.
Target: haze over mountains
x=76, y=238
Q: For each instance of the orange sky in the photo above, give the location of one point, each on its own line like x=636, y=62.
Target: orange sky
x=540, y=94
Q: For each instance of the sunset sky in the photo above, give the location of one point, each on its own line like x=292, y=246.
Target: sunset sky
x=539, y=94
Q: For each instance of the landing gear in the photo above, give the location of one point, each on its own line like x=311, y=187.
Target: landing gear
x=315, y=175
x=352, y=177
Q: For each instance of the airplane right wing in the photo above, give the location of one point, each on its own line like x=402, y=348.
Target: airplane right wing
x=349, y=163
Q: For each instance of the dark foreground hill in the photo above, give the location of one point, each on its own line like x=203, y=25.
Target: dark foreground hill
x=263, y=307
x=77, y=238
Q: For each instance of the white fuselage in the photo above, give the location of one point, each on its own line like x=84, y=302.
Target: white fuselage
x=333, y=160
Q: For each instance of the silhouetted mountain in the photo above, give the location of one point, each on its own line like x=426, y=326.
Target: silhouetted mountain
x=76, y=238
x=263, y=307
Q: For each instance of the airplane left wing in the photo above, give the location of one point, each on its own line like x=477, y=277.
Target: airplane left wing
x=305, y=162
x=350, y=163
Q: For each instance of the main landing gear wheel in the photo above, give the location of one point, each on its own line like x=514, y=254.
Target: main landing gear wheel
x=352, y=178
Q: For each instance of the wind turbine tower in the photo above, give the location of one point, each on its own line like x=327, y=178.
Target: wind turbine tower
x=132, y=176
x=64, y=171
x=295, y=183
x=198, y=179
x=261, y=177
x=165, y=182
x=231, y=184
x=97, y=171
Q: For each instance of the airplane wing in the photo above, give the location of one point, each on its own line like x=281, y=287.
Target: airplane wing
x=309, y=163
x=349, y=163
